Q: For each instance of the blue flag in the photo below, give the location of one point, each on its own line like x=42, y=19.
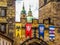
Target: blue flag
x=41, y=30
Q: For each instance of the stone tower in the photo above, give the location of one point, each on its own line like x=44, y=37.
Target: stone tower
x=29, y=17
x=23, y=16
x=29, y=12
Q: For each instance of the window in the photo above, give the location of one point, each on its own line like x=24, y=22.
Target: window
x=3, y=28
x=2, y=12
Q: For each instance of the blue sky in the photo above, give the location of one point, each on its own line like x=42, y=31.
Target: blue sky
x=34, y=7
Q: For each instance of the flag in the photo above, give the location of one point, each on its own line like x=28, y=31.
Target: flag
x=18, y=33
x=41, y=30
x=51, y=32
x=29, y=30
x=18, y=28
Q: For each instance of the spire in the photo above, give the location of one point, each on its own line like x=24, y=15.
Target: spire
x=30, y=12
x=30, y=8
x=23, y=5
x=29, y=17
x=23, y=9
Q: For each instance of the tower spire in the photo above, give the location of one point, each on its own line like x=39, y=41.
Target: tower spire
x=29, y=12
x=29, y=7
x=23, y=5
x=23, y=9
x=29, y=17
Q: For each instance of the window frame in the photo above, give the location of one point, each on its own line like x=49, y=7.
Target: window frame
x=4, y=31
x=5, y=11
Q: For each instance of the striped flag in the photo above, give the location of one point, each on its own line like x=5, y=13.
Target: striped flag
x=51, y=32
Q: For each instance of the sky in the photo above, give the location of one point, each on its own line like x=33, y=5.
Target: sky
x=34, y=7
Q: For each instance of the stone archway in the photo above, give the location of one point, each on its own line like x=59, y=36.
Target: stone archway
x=34, y=41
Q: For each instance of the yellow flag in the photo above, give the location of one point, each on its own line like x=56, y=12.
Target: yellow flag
x=18, y=27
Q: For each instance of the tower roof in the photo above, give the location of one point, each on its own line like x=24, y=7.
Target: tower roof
x=29, y=12
x=23, y=9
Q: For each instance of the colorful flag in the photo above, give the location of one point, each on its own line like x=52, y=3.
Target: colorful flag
x=29, y=30
x=18, y=28
x=51, y=32
x=41, y=30
x=18, y=33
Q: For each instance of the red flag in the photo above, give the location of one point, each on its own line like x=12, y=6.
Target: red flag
x=29, y=30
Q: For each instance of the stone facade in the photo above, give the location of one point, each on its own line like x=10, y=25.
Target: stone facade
x=7, y=17
x=4, y=40
x=51, y=10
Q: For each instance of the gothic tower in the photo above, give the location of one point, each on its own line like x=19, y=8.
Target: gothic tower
x=23, y=15
x=29, y=17
x=30, y=12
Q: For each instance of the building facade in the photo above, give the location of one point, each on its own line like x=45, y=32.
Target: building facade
x=4, y=40
x=50, y=9
x=7, y=17
x=23, y=16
